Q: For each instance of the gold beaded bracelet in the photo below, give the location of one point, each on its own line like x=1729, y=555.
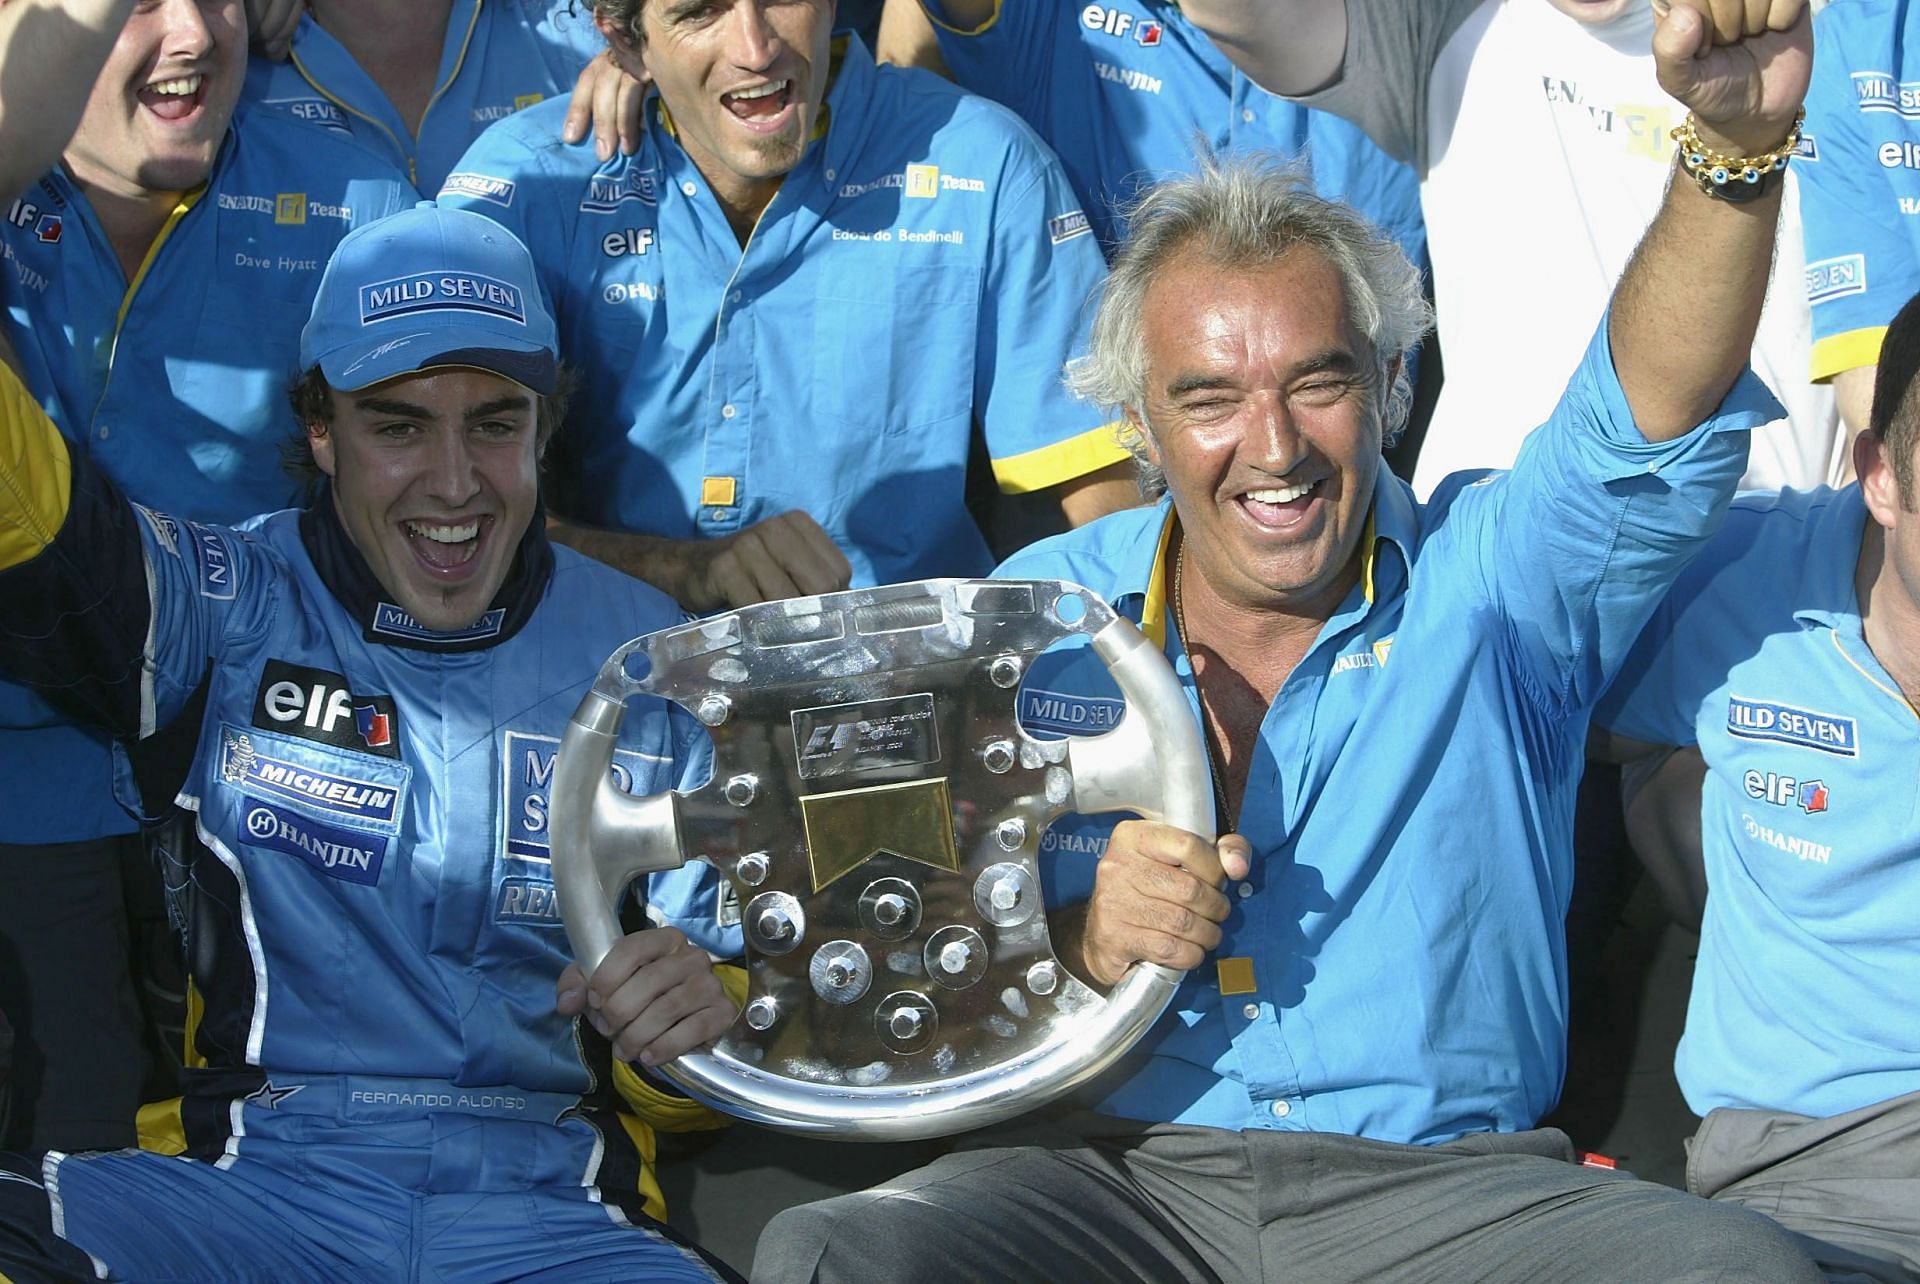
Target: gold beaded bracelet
x=1732, y=178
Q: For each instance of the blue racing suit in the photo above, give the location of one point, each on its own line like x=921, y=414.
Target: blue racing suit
x=379, y=1084
x=499, y=56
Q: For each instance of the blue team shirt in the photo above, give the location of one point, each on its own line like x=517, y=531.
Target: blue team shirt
x=1125, y=92
x=925, y=266
x=1860, y=177
x=1394, y=967
x=175, y=383
x=500, y=56
x=1803, y=990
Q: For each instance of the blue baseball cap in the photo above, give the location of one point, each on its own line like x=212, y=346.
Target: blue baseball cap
x=430, y=287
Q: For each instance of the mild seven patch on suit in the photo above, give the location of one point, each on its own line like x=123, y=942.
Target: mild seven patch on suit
x=835, y=739
x=215, y=557
x=526, y=767
x=1788, y=725
x=1065, y=714
x=362, y=792
x=404, y=296
x=346, y=854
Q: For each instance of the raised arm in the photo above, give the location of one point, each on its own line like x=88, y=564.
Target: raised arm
x=1685, y=310
x=50, y=52
x=1289, y=47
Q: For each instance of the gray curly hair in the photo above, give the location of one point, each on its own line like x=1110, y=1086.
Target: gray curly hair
x=1247, y=212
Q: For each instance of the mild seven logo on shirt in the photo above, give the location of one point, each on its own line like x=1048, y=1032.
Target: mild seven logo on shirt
x=1784, y=724
x=1066, y=714
x=366, y=790
x=338, y=853
x=1878, y=91
x=404, y=296
x=394, y=622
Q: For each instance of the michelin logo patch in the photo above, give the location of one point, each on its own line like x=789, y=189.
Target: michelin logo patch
x=275, y=766
x=1067, y=226
x=1836, y=278
x=396, y=623
x=1784, y=724
x=344, y=854
x=526, y=764
x=482, y=187
x=405, y=296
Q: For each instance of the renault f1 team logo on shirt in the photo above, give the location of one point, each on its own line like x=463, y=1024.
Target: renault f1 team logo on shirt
x=1787, y=725
x=1810, y=796
x=404, y=296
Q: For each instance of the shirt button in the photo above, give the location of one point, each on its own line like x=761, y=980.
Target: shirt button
x=105, y=432
x=1251, y=1012
x=1244, y=890
x=734, y=297
x=1247, y=115
x=1281, y=1109
x=830, y=176
x=716, y=514
x=687, y=187
x=727, y=411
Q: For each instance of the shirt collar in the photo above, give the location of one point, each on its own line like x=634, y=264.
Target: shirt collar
x=1393, y=518
x=1826, y=582
x=347, y=576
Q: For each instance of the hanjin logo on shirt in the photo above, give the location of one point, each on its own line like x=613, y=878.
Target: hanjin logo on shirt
x=394, y=622
x=1787, y=725
x=345, y=854
x=243, y=763
x=1069, y=225
x=316, y=705
x=482, y=187
x=404, y=296
x=1878, y=91
x=1836, y=278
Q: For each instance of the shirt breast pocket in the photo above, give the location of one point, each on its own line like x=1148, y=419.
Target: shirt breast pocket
x=893, y=351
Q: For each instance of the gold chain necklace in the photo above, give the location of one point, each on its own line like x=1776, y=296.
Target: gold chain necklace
x=1206, y=724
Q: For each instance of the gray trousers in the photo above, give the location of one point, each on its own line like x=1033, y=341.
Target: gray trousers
x=1084, y=1198
x=1849, y=1185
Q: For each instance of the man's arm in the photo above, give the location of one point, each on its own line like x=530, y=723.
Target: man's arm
x=50, y=53
x=787, y=555
x=1853, y=394
x=906, y=36
x=1685, y=311
x=1098, y=493
x=1288, y=47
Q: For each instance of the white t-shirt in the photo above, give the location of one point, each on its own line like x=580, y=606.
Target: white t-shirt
x=1545, y=154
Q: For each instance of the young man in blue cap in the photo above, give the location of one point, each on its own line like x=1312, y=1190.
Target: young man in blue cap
x=358, y=702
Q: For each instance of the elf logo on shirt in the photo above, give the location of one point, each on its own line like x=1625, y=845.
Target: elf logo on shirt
x=1810, y=796
x=317, y=705
x=1117, y=22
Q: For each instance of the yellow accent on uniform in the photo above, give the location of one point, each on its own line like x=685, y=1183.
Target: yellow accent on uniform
x=719, y=492
x=1236, y=976
x=523, y=101
x=982, y=29
x=669, y=1111
x=36, y=474
x=1839, y=353
x=290, y=209
x=1153, y=612
x=158, y=1125
x=1367, y=545
x=1063, y=461
x=187, y=201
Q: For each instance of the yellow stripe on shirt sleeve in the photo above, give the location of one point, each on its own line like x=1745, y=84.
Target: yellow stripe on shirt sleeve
x=36, y=474
x=1839, y=353
x=982, y=29
x=1063, y=461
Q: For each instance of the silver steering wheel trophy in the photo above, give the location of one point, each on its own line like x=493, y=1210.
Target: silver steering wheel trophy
x=879, y=810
